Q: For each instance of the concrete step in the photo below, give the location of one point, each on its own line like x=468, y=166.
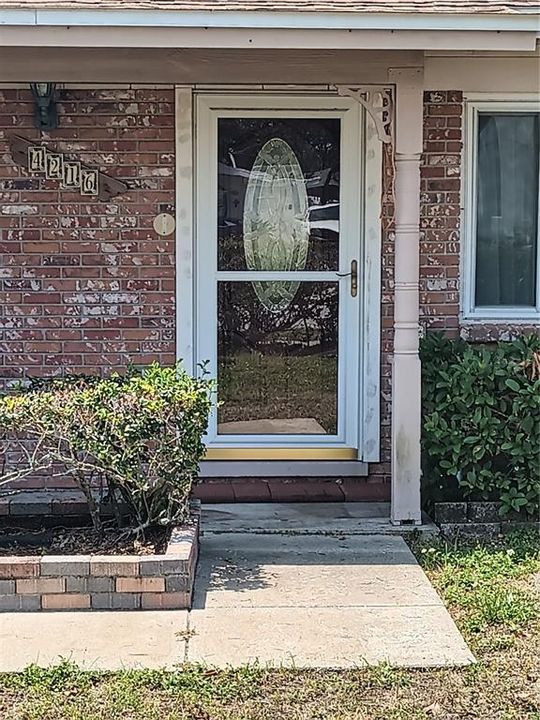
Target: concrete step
x=354, y=518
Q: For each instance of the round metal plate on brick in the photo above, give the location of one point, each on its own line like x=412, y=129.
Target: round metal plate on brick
x=164, y=224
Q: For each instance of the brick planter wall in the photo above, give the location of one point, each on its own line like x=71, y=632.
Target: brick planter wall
x=478, y=520
x=104, y=582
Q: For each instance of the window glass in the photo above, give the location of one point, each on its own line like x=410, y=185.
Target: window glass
x=507, y=209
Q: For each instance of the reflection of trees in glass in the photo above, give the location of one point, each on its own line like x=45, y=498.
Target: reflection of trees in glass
x=312, y=317
x=278, y=365
x=316, y=145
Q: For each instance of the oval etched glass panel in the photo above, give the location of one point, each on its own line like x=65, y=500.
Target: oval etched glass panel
x=275, y=221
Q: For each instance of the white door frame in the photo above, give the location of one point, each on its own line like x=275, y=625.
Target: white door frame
x=363, y=430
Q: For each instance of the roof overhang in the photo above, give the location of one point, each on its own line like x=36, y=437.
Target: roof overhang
x=265, y=30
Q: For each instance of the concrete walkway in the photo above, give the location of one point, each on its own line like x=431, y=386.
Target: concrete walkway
x=317, y=601
x=298, y=599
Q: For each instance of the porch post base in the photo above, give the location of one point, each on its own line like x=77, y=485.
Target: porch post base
x=406, y=502
x=405, y=523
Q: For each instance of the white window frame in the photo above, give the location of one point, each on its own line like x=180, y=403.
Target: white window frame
x=475, y=104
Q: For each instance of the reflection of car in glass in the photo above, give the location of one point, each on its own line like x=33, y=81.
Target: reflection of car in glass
x=321, y=216
x=324, y=217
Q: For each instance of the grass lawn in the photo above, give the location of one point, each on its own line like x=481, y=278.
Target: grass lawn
x=492, y=592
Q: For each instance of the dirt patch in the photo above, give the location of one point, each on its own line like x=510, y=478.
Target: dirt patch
x=81, y=541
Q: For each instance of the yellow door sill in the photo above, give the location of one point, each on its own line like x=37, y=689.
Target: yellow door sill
x=261, y=453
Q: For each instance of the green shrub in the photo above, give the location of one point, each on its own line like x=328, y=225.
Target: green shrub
x=481, y=421
x=136, y=436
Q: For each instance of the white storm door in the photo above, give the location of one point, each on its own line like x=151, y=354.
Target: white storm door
x=279, y=274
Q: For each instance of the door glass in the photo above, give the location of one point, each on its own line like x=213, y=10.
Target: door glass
x=278, y=194
x=278, y=361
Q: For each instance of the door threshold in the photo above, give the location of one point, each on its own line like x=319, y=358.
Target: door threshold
x=280, y=468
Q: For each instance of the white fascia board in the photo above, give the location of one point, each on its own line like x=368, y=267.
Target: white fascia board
x=214, y=38
x=528, y=21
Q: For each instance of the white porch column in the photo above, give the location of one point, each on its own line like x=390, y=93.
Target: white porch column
x=406, y=388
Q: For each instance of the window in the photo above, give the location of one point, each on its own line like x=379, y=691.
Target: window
x=502, y=232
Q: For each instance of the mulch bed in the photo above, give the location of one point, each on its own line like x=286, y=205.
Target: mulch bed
x=81, y=541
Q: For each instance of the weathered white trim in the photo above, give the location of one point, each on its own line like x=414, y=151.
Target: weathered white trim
x=184, y=228
x=209, y=108
x=490, y=72
x=477, y=55
x=505, y=97
x=113, y=36
x=476, y=102
x=271, y=88
x=369, y=160
x=533, y=320
x=202, y=66
x=282, y=468
x=523, y=21
x=406, y=384
x=371, y=319
x=377, y=102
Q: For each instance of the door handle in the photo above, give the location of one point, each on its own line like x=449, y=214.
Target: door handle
x=354, y=277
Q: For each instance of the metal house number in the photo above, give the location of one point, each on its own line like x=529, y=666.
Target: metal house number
x=71, y=174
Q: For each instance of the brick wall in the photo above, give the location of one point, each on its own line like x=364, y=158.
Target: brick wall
x=88, y=286
x=440, y=210
x=439, y=243
x=381, y=471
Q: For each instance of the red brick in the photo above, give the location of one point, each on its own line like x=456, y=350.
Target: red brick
x=140, y=584
x=33, y=586
x=21, y=567
x=165, y=601
x=104, y=565
x=40, y=247
x=66, y=601
x=67, y=238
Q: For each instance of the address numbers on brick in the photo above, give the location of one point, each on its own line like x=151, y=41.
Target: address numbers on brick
x=72, y=175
